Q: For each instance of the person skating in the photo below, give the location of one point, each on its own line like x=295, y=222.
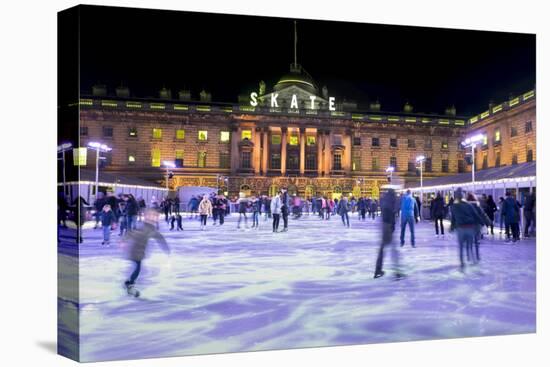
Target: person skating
x=490, y=210
x=122, y=221
x=256, y=208
x=275, y=206
x=285, y=208
x=528, y=213
x=98, y=206
x=472, y=200
x=135, y=244
x=205, y=210
x=242, y=204
x=108, y=221
x=80, y=205
x=388, y=203
x=437, y=212
x=362, y=206
x=408, y=208
x=343, y=210
x=511, y=212
x=464, y=220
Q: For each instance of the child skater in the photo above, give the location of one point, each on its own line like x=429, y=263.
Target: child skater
x=135, y=244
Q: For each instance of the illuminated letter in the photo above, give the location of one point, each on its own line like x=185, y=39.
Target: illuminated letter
x=274, y=100
x=253, y=101
x=312, y=101
x=294, y=102
x=331, y=104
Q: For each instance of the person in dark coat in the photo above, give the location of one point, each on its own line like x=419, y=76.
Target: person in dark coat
x=122, y=220
x=108, y=220
x=131, y=212
x=511, y=212
x=388, y=206
x=135, y=244
x=464, y=219
x=437, y=212
x=80, y=205
x=528, y=213
x=472, y=200
x=362, y=207
x=343, y=209
x=285, y=209
x=490, y=210
x=98, y=206
x=418, y=213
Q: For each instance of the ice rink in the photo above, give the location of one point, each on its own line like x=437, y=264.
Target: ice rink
x=228, y=290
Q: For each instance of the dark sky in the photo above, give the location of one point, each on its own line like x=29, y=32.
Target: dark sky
x=229, y=54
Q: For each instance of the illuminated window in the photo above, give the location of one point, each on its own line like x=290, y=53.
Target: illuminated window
x=180, y=134
x=224, y=136
x=203, y=135
x=497, y=136
x=485, y=140
x=276, y=139
x=79, y=156
x=444, y=144
x=131, y=158
x=246, y=134
x=157, y=134
x=132, y=132
x=293, y=140
x=310, y=140
x=356, y=164
x=155, y=157
x=201, y=160
x=374, y=164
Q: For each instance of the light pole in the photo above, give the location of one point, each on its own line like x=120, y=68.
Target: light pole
x=62, y=149
x=472, y=142
x=168, y=165
x=98, y=147
x=420, y=160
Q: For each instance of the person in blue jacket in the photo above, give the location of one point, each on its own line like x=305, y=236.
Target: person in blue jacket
x=408, y=209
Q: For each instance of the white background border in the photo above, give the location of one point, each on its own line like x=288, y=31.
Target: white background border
x=28, y=129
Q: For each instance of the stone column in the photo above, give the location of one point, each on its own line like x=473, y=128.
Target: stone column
x=327, y=153
x=235, y=156
x=320, y=160
x=265, y=150
x=347, y=152
x=284, y=131
x=302, y=150
x=256, y=153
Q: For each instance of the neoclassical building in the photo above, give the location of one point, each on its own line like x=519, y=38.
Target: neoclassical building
x=305, y=140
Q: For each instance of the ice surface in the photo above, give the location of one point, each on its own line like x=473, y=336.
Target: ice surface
x=228, y=290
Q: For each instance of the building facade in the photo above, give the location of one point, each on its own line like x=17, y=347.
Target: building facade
x=305, y=141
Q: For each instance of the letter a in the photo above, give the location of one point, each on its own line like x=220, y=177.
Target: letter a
x=294, y=102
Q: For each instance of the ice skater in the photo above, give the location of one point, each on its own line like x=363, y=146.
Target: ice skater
x=135, y=244
x=388, y=209
x=108, y=221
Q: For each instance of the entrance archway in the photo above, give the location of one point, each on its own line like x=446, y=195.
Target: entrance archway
x=309, y=192
x=336, y=192
x=273, y=190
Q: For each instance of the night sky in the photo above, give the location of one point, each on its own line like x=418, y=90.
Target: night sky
x=228, y=55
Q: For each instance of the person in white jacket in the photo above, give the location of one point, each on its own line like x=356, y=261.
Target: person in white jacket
x=276, y=206
x=205, y=210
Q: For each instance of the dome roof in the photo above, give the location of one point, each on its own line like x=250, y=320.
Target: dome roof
x=298, y=77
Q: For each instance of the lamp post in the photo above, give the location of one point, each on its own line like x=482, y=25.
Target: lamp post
x=472, y=142
x=168, y=165
x=62, y=149
x=420, y=160
x=98, y=147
